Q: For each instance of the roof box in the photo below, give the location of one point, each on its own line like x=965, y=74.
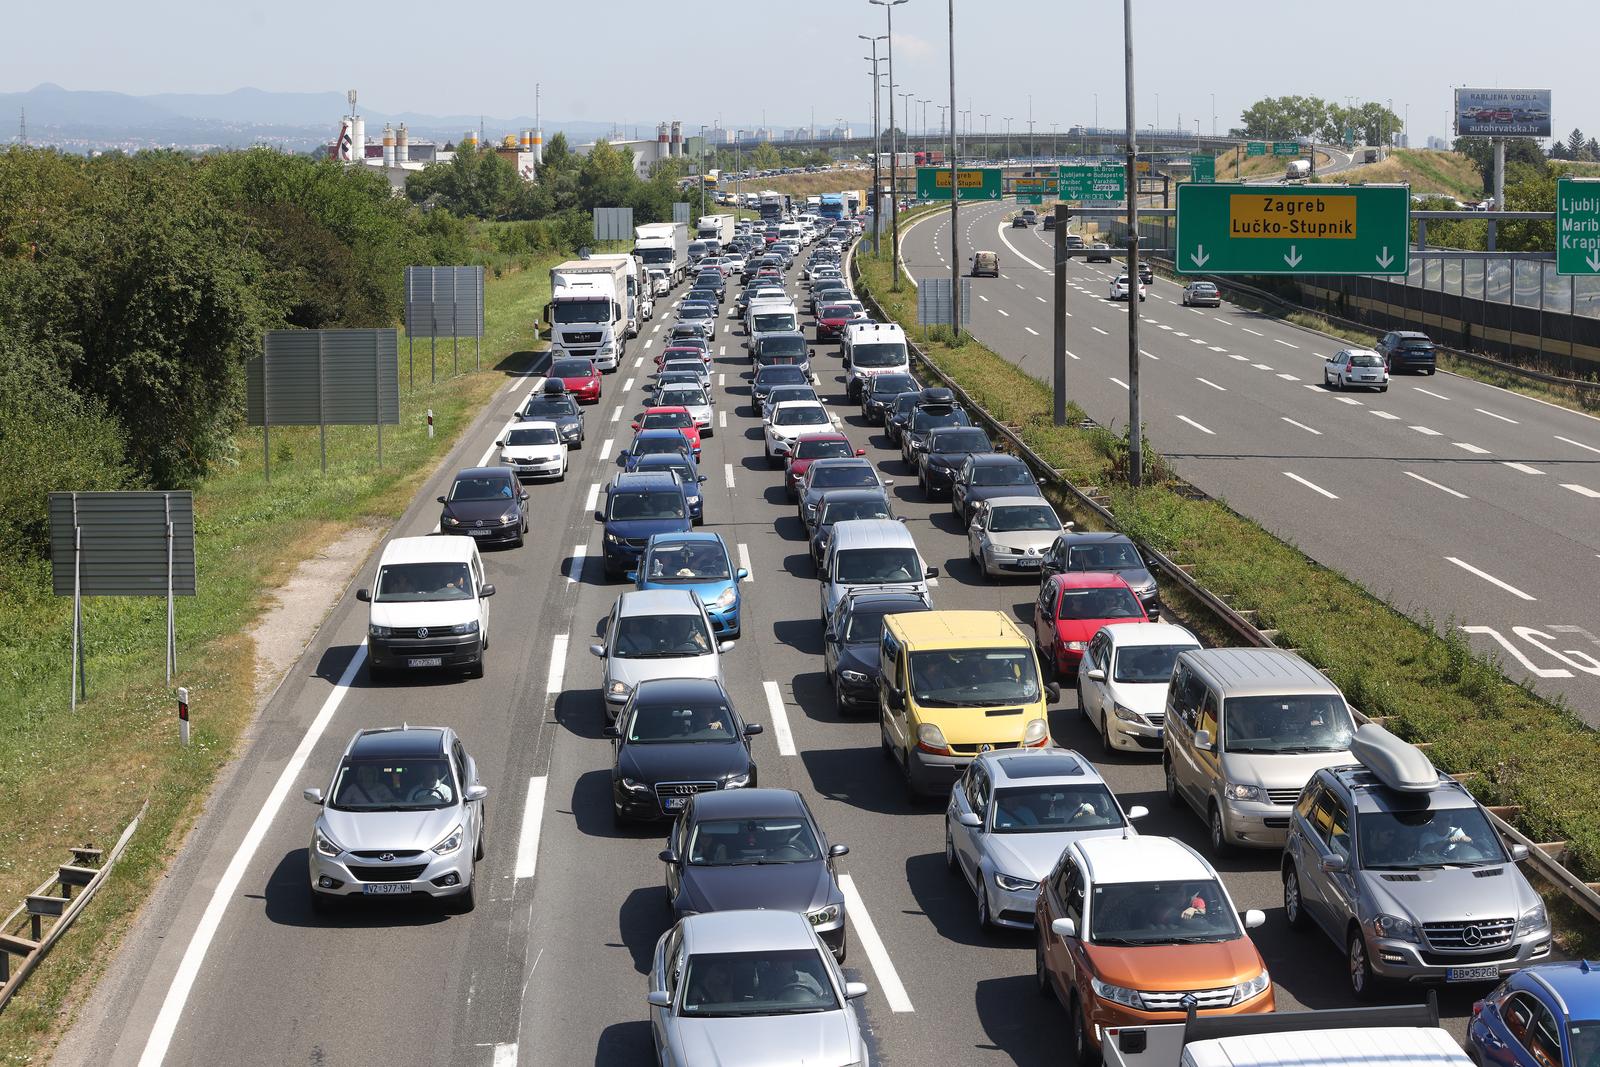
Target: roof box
x=1398, y=764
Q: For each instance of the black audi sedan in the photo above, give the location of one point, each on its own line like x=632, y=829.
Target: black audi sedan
x=675, y=739
x=755, y=849
x=486, y=503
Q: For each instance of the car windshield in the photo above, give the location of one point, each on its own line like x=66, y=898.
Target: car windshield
x=866, y=627
x=1429, y=837
x=824, y=450
x=905, y=405
x=667, y=420
x=688, y=561
x=974, y=677
x=653, y=504
x=1018, y=518
x=660, y=636
x=393, y=785
x=1311, y=722
x=1002, y=474
x=695, y=311
x=1103, y=556
x=543, y=435
x=838, y=311
x=681, y=397
x=875, y=566
x=1184, y=911
x=653, y=446
x=741, y=842
x=401, y=583
x=482, y=488
x=786, y=374
x=1365, y=359
x=771, y=982
x=571, y=368
x=845, y=510
x=682, y=721
x=924, y=419
x=880, y=354
x=1102, y=602
x=775, y=321
x=852, y=476
x=1147, y=663
x=1039, y=809
x=805, y=415
x=783, y=346
x=566, y=311
x=551, y=407
x=892, y=384
x=1584, y=1037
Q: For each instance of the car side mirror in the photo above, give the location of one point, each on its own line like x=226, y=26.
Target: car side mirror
x=668, y=856
x=861, y=452
x=522, y=494
x=1097, y=675
x=887, y=483
x=610, y=729
x=1519, y=853
x=486, y=591
x=969, y=818
x=1334, y=864
x=1138, y=811
x=1202, y=740
x=442, y=500
x=897, y=698
x=633, y=576
x=741, y=574
x=829, y=636
x=659, y=998
x=701, y=478
x=622, y=458
x=364, y=595
x=1064, y=928
x=476, y=792
x=1253, y=918
x=931, y=572
x=725, y=647
x=598, y=651
x=499, y=444
x=752, y=728
x=855, y=990
x=1052, y=690
x=313, y=795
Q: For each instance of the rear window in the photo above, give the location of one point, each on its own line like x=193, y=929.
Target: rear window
x=781, y=375
x=781, y=321
x=1365, y=359
x=783, y=346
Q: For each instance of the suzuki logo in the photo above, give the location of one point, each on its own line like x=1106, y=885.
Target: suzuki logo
x=1471, y=936
x=1189, y=1001
x=387, y=857
x=422, y=631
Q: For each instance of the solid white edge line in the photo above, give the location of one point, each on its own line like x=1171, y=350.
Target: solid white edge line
x=780, y=719
x=727, y=474
x=1491, y=579
x=1436, y=485
x=166, y=1024
x=744, y=561
x=528, y=842
x=558, y=663
x=575, y=567
x=877, y=955
x=1310, y=485
x=505, y=1054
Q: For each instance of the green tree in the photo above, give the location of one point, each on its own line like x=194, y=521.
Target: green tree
x=1481, y=151
x=1575, y=143
x=765, y=157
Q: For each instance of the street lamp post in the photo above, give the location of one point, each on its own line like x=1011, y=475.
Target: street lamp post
x=894, y=196
x=877, y=146
x=1213, y=114
x=702, y=171
x=985, y=116
x=955, y=190
x=1053, y=126
x=1135, y=431
x=1008, y=135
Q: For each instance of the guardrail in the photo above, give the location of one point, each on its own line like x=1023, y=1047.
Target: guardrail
x=1546, y=857
x=24, y=933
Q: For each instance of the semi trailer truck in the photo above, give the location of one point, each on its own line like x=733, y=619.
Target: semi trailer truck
x=663, y=246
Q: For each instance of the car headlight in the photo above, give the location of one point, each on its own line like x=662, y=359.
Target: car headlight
x=465, y=627
x=853, y=676
x=1075, y=646
x=634, y=786
x=569, y=431
x=507, y=459
x=1035, y=732
x=1240, y=791
x=508, y=517
x=617, y=688
x=451, y=842
x=1394, y=928
x=1117, y=994
x=931, y=737
x=1014, y=885
x=735, y=781
x=450, y=520
x=1535, y=918
x=823, y=916
x=326, y=846
x=1253, y=988
x=374, y=630
x=605, y=350
x=727, y=598
x=613, y=539
x=1126, y=714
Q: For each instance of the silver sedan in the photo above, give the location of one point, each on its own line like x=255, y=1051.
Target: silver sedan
x=1010, y=535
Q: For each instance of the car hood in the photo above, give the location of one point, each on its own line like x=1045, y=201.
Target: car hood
x=579, y=383
x=1147, y=698
x=825, y=1039
x=531, y=452
x=1032, y=856
x=435, y=614
x=1169, y=968
x=389, y=830
x=1452, y=895
x=976, y=493
x=1083, y=629
x=1288, y=770
x=1033, y=542
x=634, y=671
x=646, y=527
x=706, y=591
x=689, y=761
x=860, y=657
x=776, y=887
x=472, y=510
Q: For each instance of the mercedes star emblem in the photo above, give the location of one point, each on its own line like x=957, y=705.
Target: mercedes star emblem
x=1472, y=936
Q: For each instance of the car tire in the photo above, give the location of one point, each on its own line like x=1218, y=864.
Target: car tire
x=465, y=902
x=883, y=744
x=1383, y=388
x=1363, y=982
x=1084, y=1054
x=1105, y=735
x=1174, y=796
x=1294, y=909
x=1220, y=846
x=1431, y=370
x=1041, y=976
x=985, y=919
x=951, y=864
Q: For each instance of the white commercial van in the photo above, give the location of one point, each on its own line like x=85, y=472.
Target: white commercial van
x=429, y=607
x=871, y=349
x=769, y=317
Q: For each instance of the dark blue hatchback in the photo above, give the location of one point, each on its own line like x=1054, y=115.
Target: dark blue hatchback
x=1547, y=1015
x=645, y=505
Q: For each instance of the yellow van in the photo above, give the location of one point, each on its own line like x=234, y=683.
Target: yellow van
x=953, y=684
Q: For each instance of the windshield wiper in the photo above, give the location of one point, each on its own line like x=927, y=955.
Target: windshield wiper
x=1119, y=941
x=659, y=655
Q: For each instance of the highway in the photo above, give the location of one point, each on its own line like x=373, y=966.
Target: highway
x=228, y=964
x=1447, y=497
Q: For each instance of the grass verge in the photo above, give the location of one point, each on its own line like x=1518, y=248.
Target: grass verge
x=67, y=779
x=1422, y=675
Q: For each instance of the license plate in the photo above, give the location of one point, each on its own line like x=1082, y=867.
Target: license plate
x=425, y=661
x=386, y=889
x=479, y=533
x=1033, y=561
x=1471, y=974
x=673, y=803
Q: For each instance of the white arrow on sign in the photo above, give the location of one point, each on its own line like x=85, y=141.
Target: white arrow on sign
x=1385, y=259
x=1293, y=258
x=1199, y=256
x=1593, y=259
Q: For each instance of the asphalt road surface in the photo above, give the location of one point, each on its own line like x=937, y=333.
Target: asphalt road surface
x=228, y=964
x=1447, y=497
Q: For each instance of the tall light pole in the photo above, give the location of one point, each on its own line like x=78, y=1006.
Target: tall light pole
x=955, y=191
x=1213, y=114
x=894, y=195
x=702, y=171
x=925, y=104
x=985, y=116
x=1008, y=134
x=1097, y=112
x=1053, y=126
x=1031, y=153
x=1156, y=125
x=877, y=147
x=1135, y=431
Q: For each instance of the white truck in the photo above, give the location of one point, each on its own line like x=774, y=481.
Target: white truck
x=588, y=310
x=715, y=228
x=639, y=298
x=1300, y=168
x=663, y=246
x=1405, y=1035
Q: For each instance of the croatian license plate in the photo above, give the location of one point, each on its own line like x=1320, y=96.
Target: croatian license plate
x=673, y=803
x=479, y=533
x=1471, y=974
x=386, y=889
x=425, y=661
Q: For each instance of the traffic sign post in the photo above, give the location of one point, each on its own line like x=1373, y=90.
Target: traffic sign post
x=1091, y=182
x=1285, y=148
x=1030, y=198
x=1578, y=226
x=1043, y=186
x=1202, y=168
x=977, y=183
x=1293, y=229
x=1255, y=148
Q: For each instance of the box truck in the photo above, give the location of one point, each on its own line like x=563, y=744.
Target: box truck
x=774, y=206
x=663, y=246
x=715, y=228
x=588, y=309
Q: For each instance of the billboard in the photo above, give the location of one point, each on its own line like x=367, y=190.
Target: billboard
x=1502, y=112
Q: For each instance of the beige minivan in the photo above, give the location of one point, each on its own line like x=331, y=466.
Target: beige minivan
x=1245, y=729
x=985, y=263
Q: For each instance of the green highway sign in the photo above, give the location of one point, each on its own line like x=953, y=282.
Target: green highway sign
x=1202, y=168
x=1255, y=148
x=1090, y=182
x=1578, y=226
x=1285, y=148
x=977, y=183
x=1034, y=184
x=1293, y=229
x=1030, y=198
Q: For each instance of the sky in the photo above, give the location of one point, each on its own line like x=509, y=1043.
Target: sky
x=638, y=62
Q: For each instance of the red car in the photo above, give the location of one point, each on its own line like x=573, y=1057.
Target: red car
x=580, y=376
x=769, y=272
x=684, y=352
x=671, y=419
x=1071, y=607
x=833, y=318
x=813, y=446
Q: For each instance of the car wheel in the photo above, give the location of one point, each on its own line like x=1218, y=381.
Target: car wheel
x=1363, y=983
x=1383, y=388
x=1105, y=734
x=985, y=920
x=1431, y=370
x=464, y=902
x=1041, y=976
x=883, y=743
x=1219, y=836
x=1084, y=1054
x=1174, y=798
x=1293, y=909
x=950, y=862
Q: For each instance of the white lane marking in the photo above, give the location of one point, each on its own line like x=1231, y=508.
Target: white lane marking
x=1120, y=382
x=1352, y=401
x=1260, y=366
x=722, y=420
x=1302, y=425
x=505, y=1054
x=1004, y=312
x=1310, y=485
x=166, y=1024
x=1581, y=490
x=877, y=955
x=491, y=450
x=1041, y=300
x=1191, y=311
x=1431, y=393
x=1019, y=285
x=1284, y=343
x=1492, y=415
x=1241, y=359
x=592, y=497
x=528, y=849
x=1071, y=353
x=744, y=561
x=983, y=298
x=1150, y=355
x=1213, y=385
x=1523, y=467
x=1196, y=425
x=1163, y=326
x=638, y=362
x=1528, y=664
x=1469, y=447
x=1247, y=329
x=1197, y=340
x=1385, y=414
x=1288, y=377
x=606, y=447
x=1579, y=444
x=657, y=327
x=1098, y=330
x=727, y=474
x=1491, y=579
x=1436, y=485
x=1224, y=322
x=722, y=350
x=575, y=567
x=780, y=719
x=1179, y=333
x=558, y=664
x=1218, y=348
x=1425, y=431
x=627, y=385
x=1031, y=330
x=616, y=414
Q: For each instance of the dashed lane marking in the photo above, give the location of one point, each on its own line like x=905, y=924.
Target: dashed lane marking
x=1313, y=486
x=1196, y=425
x=1213, y=385
x=1436, y=485
x=1302, y=425
x=1491, y=579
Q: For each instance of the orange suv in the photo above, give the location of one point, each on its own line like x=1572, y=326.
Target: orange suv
x=1134, y=931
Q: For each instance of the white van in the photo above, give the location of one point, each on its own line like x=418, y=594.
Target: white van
x=769, y=317
x=429, y=607
x=871, y=553
x=871, y=349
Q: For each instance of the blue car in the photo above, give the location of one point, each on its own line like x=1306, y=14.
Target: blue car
x=700, y=563
x=684, y=467
x=1547, y=1015
x=644, y=506
x=651, y=442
